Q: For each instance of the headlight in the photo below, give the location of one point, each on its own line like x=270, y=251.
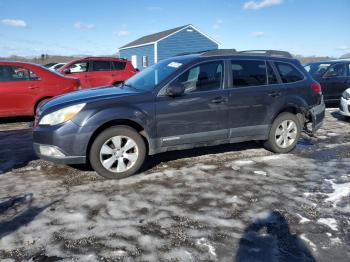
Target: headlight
x=62, y=115
x=346, y=94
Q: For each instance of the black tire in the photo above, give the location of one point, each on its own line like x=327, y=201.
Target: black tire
x=101, y=139
x=271, y=144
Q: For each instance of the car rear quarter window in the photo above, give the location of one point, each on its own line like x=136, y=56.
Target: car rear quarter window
x=16, y=73
x=248, y=73
x=288, y=73
x=101, y=65
x=119, y=65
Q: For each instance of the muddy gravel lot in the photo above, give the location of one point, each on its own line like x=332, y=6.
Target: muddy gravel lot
x=226, y=203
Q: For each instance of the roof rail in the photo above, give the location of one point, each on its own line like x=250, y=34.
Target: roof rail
x=192, y=53
x=219, y=52
x=88, y=57
x=277, y=53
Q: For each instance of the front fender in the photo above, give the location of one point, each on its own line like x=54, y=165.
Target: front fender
x=93, y=118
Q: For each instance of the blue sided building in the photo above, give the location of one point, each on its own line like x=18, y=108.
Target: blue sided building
x=150, y=49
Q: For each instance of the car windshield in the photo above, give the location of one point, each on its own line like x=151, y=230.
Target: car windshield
x=317, y=69
x=148, y=78
x=51, y=71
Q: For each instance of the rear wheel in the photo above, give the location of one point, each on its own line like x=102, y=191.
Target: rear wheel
x=284, y=133
x=117, y=152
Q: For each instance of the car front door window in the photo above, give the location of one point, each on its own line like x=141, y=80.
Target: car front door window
x=79, y=67
x=203, y=77
x=16, y=73
x=337, y=70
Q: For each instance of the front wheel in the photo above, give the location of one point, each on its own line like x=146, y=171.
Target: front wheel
x=118, y=152
x=284, y=133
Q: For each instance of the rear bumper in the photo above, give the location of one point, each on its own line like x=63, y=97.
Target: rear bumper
x=317, y=115
x=344, y=107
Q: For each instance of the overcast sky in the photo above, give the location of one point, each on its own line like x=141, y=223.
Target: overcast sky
x=66, y=27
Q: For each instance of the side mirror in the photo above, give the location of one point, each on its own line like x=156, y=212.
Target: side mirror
x=67, y=71
x=175, y=90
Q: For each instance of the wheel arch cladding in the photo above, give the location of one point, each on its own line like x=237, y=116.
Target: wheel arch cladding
x=39, y=101
x=294, y=105
x=118, y=122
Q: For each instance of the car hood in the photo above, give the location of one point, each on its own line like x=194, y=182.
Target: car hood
x=85, y=96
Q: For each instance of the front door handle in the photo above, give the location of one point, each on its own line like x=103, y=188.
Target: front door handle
x=274, y=94
x=33, y=87
x=219, y=100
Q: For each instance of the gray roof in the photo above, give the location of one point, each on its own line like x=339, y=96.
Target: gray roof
x=153, y=37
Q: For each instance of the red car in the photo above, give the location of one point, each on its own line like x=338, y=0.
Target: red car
x=23, y=86
x=99, y=71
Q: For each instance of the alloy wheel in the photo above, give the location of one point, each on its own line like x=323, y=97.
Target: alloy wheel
x=286, y=133
x=119, y=153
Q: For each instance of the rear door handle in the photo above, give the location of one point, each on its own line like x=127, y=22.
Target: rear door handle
x=219, y=100
x=33, y=87
x=274, y=94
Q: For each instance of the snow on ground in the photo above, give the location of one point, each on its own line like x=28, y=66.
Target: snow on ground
x=227, y=203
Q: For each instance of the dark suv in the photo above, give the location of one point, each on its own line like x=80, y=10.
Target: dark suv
x=187, y=101
x=334, y=77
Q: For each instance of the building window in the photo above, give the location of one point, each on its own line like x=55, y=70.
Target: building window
x=144, y=61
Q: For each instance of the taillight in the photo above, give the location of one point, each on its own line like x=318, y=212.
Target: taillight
x=316, y=87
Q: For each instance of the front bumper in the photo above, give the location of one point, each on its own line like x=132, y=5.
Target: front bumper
x=344, y=107
x=69, y=141
x=317, y=114
x=62, y=159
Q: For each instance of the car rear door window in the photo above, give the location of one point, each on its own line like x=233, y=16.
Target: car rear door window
x=248, y=73
x=119, y=65
x=16, y=73
x=271, y=76
x=288, y=73
x=203, y=77
x=100, y=65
